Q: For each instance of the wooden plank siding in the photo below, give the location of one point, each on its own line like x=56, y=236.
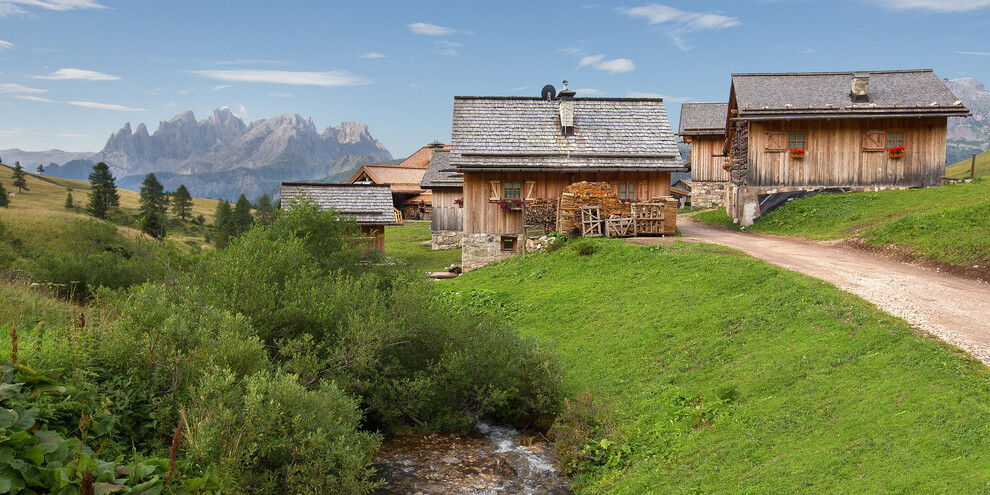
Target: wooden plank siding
x=837, y=154
x=705, y=167
x=483, y=215
x=447, y=215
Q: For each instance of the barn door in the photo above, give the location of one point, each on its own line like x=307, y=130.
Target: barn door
x=874, y=141
x=776, y=141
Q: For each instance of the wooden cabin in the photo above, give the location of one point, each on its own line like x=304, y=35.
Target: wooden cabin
x=792, y=134
x=517, y=149
x=408, y=196
x=447, y=186
x=702, y=125
x=369, y=204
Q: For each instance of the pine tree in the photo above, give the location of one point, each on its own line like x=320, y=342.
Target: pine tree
x=68, y=201
x=263, y=212
x=242, y=215
x=4, y=199
x=222, y=215
x=181, y=202
x=20, y=177
x=154, y=204
x=226, y=233
x=41, y=168
x=103, y=195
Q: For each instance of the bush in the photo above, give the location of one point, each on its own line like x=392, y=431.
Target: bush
x=267, y=434
x=585, y=247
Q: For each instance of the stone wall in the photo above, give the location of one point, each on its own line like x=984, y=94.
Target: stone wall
x=478, y=250
x=708, y=194
x=446, y=239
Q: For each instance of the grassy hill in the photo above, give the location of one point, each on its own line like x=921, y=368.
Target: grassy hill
x=38, y=213
x=946, y=225
x=961, y=169
x=725, y=374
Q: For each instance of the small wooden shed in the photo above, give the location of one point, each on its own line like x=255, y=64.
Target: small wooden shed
x=447, y=185
x=369, y=204
x=702, y=126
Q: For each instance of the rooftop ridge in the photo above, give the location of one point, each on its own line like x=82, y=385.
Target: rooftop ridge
x=833, y=73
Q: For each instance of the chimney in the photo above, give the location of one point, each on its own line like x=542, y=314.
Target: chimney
x=567, y=111
x=860, y=87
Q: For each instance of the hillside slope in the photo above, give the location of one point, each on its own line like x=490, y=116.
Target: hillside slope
x=962, y=168
x=729, y=375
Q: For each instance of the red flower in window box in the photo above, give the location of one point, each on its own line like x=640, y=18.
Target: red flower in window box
x=797, y=152
x=459, y=202
x=510, y=204
x=896, y=152
x=727, y=166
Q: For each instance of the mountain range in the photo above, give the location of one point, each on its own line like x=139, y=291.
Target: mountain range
x=221, y=156
x=972, y=134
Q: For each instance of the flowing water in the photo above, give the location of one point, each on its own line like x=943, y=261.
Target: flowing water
x=498, y=460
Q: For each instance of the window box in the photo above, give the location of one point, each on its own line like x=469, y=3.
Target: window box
x=896, y=152
x=797, y=152
x=507, y=204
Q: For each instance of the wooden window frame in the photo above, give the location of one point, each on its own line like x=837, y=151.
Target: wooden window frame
x=803, y=140
x=873, y=140
x=509, y=240
x=627, y=191
x=517, y=190
x=890, y=143
x=776, y=141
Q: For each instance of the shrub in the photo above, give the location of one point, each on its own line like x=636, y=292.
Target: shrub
x=585, y=247
x=586, y=436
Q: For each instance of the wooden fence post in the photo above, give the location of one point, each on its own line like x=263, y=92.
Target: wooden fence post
x=972, y=167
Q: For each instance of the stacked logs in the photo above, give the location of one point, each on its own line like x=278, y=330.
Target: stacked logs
x=669, y=214
x=588, y=194
x=740, y=154
x=541, y=213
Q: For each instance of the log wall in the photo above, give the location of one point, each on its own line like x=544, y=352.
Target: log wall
x=483, y=215
x=836, y=156
x=704, y=166
x=447, y=215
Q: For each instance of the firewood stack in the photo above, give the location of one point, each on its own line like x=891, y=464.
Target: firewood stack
x=542, y=213
x=740, y=154
x=588, y=194
x=670, y=205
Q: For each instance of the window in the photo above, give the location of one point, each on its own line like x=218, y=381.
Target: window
x=512, y=190
x=776, y=141
x=627, y=192
x=873, y=141
x=795, y=140
x=508, y=243
x=895, y=139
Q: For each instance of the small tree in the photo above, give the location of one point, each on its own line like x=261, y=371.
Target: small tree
x=242, y=215
x=68, y=201
x=263, y=212
x=181, y=202
x=20, y=177
x=154, y=204
x=103, y=195
x=41, y=168
x=153, y=224
x=222, y=215
x=4, y=200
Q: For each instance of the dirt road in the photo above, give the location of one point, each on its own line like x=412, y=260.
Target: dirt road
x=955, y=309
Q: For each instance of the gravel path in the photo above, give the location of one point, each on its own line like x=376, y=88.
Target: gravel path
x=954, y=309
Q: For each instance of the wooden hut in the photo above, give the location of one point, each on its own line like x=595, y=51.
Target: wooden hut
x=792, y=134
x=447, y=186
x=369, y=204
x=514, y=150
x=408, y=196
x=702, y=125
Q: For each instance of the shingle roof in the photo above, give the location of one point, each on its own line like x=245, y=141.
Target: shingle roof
x=402, y=179
x=422, y=156
x=700, y=119
x=436, y=177
x=806, y=95
x=369, y=204
x=512, y=132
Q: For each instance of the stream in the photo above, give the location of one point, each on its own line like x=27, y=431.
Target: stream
x=498, y=460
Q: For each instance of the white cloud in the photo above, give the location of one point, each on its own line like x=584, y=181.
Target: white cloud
x=980, y=54
x=373, y=55
x=34, y=98
x=935, y=5
x=17, y=88
x=171, y=105
x=520, y=88
x=590, y=60
x=13, y=132
x=10, y=7
x=325, y=79
x=616, y=66
x=5, y=45
x=682, y=22
x=281, y=95
x=222, y=86
x=86, y=75
x=570, y=51
x=104, y=106
x=241, y=112
x=639, y=94
x=430, y=29
x=447, y=48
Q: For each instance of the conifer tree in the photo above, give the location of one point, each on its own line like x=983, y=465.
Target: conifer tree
x=264, y=211
x=181, y=202
x=4, y=200
x=222, y=215
x=68, y=201
x=103, y=195
x=20, y=177
x=154, y=204
x=41, y=168
x=242, y=215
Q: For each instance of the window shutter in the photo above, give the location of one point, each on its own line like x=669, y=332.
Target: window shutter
x=873, y=141
x=776, y=141
x=641, y=191
x=496, y=190
x=530, y=187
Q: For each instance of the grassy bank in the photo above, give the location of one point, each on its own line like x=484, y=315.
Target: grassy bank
x=729, y=375
x=402, y=242
x=962, y=169
x=946, y=224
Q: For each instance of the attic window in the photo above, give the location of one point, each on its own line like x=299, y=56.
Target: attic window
x=567, y=130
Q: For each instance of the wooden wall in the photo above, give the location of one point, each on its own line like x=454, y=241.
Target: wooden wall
x=704, y=166
x=482, y=215
x=836, y=156
x=447, y=215
x=376, y=236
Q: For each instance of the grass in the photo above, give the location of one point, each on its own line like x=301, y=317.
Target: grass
x=403, y=242
x=38, y=213
x=947, y=224
x=832, y=395
x=961, y=169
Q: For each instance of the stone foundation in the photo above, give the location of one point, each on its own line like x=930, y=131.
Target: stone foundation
x=446, y=239
x=709, y=194
x=479, y=250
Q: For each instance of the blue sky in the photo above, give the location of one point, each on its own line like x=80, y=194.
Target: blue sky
x=73, y=71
